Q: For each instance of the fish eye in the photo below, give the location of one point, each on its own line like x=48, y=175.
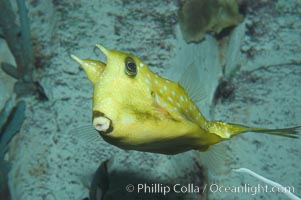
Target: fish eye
x=130, y=67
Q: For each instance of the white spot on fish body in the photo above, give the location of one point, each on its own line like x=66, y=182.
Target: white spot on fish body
x=165, y=87
x=227, y=134
x=156, y=81
x=158, y=99
x=173, y=93
x=170, y=99
x=178, y=105
x=141, y=65
x=127, y=120
x=147, y=81
x=161, y=91
x=182, y=98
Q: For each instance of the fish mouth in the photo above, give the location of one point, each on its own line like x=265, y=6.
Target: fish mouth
x=101, y=123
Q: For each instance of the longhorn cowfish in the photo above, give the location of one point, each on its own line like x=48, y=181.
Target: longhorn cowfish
x=135, y=109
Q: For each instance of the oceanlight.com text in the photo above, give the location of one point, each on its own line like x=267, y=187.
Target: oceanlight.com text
x=250, y=189
x=159, y=188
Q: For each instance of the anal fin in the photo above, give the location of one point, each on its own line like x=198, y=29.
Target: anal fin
x=217, y=160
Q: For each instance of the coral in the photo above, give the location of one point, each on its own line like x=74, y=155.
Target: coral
x=11, y=120
x=19, y=43
x=197, y=17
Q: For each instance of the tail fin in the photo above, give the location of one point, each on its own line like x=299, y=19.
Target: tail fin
x=286, y=132
x=227, y=130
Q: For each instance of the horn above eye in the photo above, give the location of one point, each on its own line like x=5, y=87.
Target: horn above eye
x=130, y=67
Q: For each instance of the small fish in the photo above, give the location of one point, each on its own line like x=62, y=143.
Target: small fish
x=134, y=108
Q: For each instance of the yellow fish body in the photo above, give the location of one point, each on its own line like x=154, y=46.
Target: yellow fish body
x=134, y=108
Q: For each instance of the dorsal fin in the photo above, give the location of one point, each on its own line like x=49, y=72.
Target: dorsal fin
x=190, y=81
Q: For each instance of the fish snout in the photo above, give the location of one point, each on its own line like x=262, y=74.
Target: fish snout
x=101, y=123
